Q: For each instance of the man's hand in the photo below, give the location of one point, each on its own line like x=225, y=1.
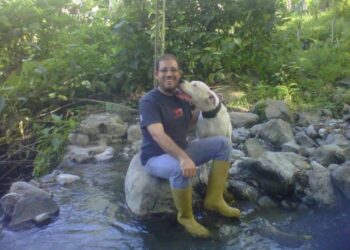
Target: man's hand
x=188, y=167
x=169, y=146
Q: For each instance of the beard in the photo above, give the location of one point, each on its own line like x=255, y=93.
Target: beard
x=168, y=88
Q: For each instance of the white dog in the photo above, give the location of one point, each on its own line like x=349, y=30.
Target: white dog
x=214, y=118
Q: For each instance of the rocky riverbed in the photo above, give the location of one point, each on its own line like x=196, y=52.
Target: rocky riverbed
x=288, y=171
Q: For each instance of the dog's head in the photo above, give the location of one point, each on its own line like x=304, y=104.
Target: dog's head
x=201, y=96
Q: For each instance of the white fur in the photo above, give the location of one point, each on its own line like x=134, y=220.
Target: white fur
x=205, y=99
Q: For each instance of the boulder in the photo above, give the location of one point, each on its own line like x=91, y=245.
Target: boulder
x=266, y=202
x=28, y=208
x=277, y=132
x=253, y=148
x=63, y=179
x=328, y=154
x=26, y=189
x=78, y=139
x=311, y=131
x=278, y=163
x=336, y=139
x=242, y=190
x=147, y=196
x=304, y=140
x=101, y=124
x=291, y=147
x=271, y=173
x=309, y=117
x=83, y=154
x=243, y=119
x=300, y=162
x=240, y=135
x=320, y=187
x=25, y=202
x=273, y=109
x=341, y=178
x=106, y=155
x=134, y=133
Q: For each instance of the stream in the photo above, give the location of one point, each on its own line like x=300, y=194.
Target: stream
x=93, y=215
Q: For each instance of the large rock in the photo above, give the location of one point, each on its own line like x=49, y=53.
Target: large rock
x=83, y=154
x=277, y=132
x=279, y=163
x=28, y=208
x=309, y=117
x=273, y=109
x=103, y=124
x=291, y=147
x=304, y=140
x=320, y=187
x=300, y=162
x=147, y=196
x=134, y=133
x=78, y=139
x=336, y=139
x=243, y=119
x=242, y=190
x=328, y=154
x=25, y=202
x=253, y=148
x=341, y=178
x=26, y=189
x=272, y=173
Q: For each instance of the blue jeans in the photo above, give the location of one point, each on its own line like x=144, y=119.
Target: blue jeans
x=200, y=151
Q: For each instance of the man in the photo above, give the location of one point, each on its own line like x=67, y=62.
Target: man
x=165, y=152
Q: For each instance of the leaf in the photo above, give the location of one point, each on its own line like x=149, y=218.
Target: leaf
x=56, y=118
x=237, y=41
x=62, y=97
x=117, y=27
x=86, y=83
x=40, y=70
x=56, y=143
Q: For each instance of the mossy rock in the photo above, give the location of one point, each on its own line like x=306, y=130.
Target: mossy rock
x=259, y=109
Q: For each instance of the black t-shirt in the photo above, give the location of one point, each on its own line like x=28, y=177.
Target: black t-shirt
x=173, y=113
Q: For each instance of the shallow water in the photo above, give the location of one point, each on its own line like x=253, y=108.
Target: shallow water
x=93, y=215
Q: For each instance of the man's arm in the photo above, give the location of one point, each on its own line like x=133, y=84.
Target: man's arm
x=170, y=147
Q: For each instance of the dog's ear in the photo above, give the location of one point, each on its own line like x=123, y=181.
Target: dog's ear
x=211, y=98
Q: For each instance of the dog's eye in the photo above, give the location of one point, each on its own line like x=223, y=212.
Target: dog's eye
x=195, y=85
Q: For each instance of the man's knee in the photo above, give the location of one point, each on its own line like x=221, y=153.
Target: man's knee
x=178, y=180
x=225, y=150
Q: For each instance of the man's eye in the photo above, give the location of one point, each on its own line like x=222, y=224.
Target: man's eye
x=166, y=70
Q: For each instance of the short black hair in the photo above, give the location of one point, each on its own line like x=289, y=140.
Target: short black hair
x=166, y=57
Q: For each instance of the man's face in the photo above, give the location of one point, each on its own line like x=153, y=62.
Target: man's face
x=168, y=76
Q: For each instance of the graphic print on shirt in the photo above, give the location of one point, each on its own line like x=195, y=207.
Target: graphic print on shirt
x=177, y=113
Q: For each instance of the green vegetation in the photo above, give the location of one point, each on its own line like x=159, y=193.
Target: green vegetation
x=54, y=52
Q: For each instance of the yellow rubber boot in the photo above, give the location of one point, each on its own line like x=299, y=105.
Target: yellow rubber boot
x=183, y=203
x=214, y=200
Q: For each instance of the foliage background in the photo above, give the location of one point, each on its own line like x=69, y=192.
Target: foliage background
x=55, y=52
